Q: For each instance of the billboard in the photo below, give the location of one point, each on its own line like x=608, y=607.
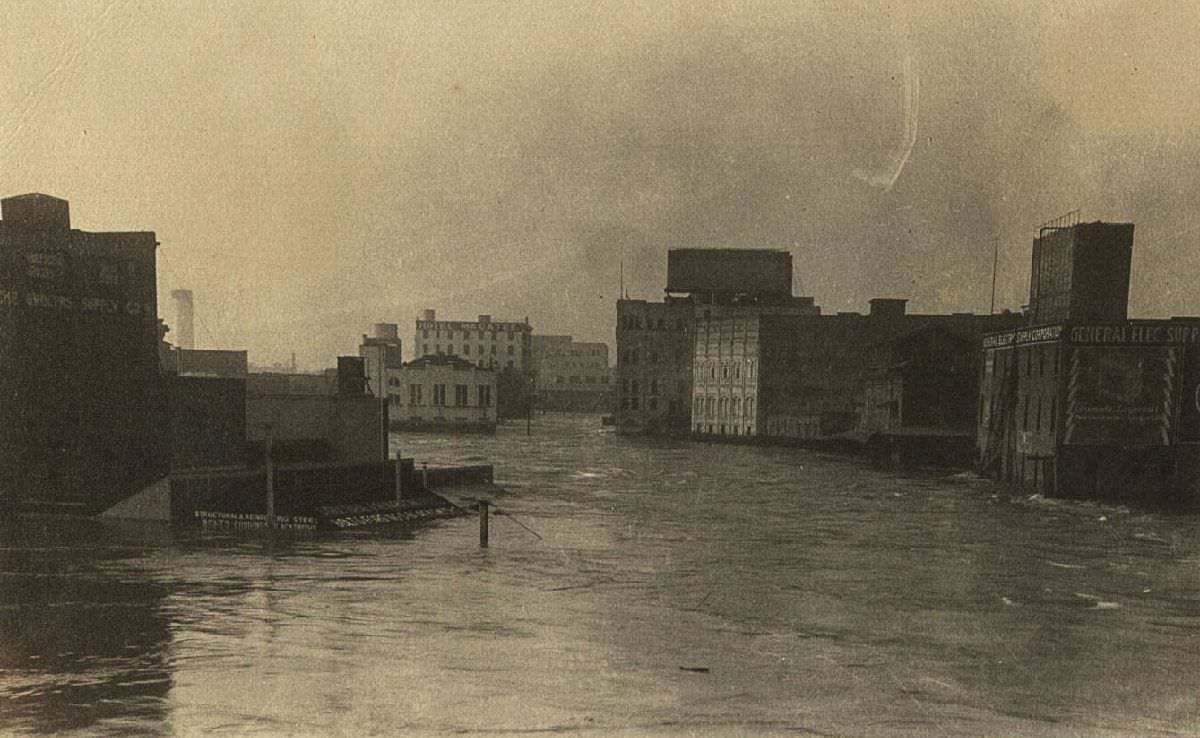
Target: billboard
x=1120, y=395
x=729, y=270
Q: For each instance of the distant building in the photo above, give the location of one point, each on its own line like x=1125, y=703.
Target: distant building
x=811, y=377
x=483, y=342
x=571, y=375
x=343, y=424
x=442, y=393
x=83, y=402
x=653, y=376
x=1085, y=401
x=185, y=329
x=382, y=351
x=653, y=372
x=205, y=362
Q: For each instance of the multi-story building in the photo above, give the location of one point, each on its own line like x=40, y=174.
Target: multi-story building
x=443, y=393
x=653, y=374
x=83, y=403
x=804, y=377
x=382, y=350
x=655, y=339
x=1085, y=401
x=484, y=342
x=571, y=375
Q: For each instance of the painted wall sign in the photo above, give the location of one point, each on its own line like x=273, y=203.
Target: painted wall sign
x=1120, y=396
x=1136, y=333
x=1189, y=398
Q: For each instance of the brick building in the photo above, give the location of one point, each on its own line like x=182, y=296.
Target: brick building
x=809, y=377
x=83, y=402
x=571, y=375
x=655, y=340
x=1085, y=401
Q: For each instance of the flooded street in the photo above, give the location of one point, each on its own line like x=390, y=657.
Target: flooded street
x=676, y=589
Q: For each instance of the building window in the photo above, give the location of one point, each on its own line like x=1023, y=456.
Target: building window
x=466, y=335
x=510, y=350
x=510, y=364
x=466, y=349
x=439, y=395
x=450, y=349
x=425, y=348
x=652, y=403
x=425, y=333
x=654, y=386
x=633, y=403
x=493, y=352
x=414, y=394
x=1037, y=420
x=460, y=395
x=485, y=395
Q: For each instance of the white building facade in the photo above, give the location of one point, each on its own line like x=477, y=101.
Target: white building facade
x=484, y=342
x=442, y=392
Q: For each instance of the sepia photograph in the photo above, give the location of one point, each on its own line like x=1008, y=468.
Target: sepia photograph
x=663, y=368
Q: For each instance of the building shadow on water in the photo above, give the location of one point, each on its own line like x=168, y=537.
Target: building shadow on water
x=81, y=648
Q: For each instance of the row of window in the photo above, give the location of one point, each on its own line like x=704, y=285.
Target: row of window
x=1029, y=406
x=462, y=392
x=1033, y=360
x=466, y=350
x=633, y=355
x=466, y=335
x=722, y=407
x=633, y=403
x=581, y=380
x=726, y=369
x=636, y=322
x=724, y=430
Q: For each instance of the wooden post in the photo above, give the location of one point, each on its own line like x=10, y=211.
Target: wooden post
x=399, y=478
x=425, y=476
x=483, y=524
x=268, y=449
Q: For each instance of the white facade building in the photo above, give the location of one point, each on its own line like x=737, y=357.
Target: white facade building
x=484, y=342
x=441, y=392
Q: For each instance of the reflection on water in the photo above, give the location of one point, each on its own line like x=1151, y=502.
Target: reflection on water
x=676, y=589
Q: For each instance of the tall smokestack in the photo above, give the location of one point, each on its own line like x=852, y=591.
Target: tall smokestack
x=185, y=338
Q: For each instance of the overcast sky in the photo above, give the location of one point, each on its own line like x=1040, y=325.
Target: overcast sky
x=313, y=168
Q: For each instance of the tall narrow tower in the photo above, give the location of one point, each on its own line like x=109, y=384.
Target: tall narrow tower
x=185, y=338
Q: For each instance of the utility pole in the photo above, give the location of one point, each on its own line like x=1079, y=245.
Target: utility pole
x=995, y=260
x=268, y=450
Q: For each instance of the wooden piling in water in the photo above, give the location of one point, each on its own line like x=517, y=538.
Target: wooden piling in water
x=483, y=524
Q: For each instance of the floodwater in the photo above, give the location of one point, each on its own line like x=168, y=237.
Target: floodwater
x=671, y=589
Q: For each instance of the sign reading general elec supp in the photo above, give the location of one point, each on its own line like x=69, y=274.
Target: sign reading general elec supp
x=1132, y=333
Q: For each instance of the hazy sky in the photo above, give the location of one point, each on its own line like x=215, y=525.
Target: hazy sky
x=311, y=168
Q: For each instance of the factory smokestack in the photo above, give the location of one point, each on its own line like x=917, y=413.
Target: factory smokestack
x=185, y=338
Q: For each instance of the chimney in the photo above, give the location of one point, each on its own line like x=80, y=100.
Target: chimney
x=429, y=315
x=387, y=331
x=41, y=212
x=184, y=330
x=887, y=307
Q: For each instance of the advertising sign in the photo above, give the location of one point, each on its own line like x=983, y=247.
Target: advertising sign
x=1120, y=396
x=1189, y=398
